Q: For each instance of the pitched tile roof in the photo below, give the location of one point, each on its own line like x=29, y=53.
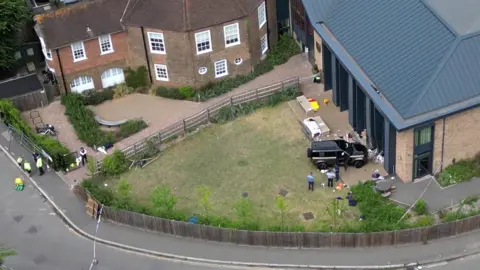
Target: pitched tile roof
x=67, y=25
x=186, y=15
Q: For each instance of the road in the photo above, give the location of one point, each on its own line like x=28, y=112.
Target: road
x=43, y=242
x=468, y=263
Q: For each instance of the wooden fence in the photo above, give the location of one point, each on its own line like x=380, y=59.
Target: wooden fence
x=201, y=119
x=30, y=101
x=279, y=239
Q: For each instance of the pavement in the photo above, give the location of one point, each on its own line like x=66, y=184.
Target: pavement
x=434, y=195
x=43, y=242
x=155, y=243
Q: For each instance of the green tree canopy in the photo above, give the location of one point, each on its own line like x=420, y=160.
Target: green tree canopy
x=13, y=15
x=5, y=252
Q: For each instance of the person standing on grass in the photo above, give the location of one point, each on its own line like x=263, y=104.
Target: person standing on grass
x=311, y=181
x=330, y=177
x=337, y=172
x=83, y=155
x=40, y=166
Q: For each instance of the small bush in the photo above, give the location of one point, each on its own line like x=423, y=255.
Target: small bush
x=122, y=90
x=114, y=164
x=169, y=92
x=420, y=207
x=423, y=221
x=136, y=78
x=96, y=97
x=131, y=127
x=187, y=91
x=461, y=171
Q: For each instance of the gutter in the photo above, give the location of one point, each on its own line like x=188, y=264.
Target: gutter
x=146, y=55
x=61, y=71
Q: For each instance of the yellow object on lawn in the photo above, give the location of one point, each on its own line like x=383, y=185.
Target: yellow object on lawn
x=314, y=104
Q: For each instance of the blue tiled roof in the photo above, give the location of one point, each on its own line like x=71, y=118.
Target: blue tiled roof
x=318, y=10
x=397, y=43
x=457, y=80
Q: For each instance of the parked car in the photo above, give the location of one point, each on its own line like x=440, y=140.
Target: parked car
x=327, y=153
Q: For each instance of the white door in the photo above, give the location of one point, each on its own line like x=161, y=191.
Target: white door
x=113, y=76
x=81, y=84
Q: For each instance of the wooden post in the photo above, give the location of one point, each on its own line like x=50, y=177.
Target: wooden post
x=231, y=101
x=256, y=94
x=208, y=115
x=184, y=127
x=282, y=85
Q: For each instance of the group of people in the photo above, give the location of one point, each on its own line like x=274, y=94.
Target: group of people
x=332, y=174
x=28, y=168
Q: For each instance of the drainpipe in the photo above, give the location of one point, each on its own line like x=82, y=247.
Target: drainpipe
x=290, y=30
x=146, y=55
x=267, y=24
x=443, y=145
x=61, y=70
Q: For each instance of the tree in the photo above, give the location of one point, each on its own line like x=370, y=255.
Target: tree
x=244, y=210
x=282, y=207
x=5, y=252
x=13, y=15
x=163, y=199
x=204, y=202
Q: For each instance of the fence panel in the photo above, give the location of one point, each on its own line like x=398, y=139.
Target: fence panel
x=30, y=100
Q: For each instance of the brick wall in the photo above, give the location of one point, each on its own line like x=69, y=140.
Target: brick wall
x=94, y=65
x=404, y=158
x=461, y=138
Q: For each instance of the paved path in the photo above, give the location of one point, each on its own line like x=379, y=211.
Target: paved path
x=469, y=263
x=75, y=210
x=43, y=242
x=435, y=196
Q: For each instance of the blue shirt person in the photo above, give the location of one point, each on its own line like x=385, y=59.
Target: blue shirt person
x=311, y=181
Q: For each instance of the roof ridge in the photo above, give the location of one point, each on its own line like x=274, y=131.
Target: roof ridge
x=129, y=10
x=241, y=7
x=186, y=15
x=439, y=18
x=435, y=75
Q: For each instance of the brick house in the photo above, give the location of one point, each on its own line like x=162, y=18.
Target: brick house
x=89, y=44
x=407, y=73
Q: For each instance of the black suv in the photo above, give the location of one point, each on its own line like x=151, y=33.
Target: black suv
x=328, y=153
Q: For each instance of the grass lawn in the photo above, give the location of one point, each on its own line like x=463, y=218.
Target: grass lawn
x=461, y=171
x=261, y=154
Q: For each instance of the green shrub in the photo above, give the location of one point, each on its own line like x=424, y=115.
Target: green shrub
x=95, y=97
x=423, y=221
x=83, y=121
x=136, y=78
x=169, y=92
x=187, y=91
x=60, y=154
x=131, y=127
x=420, y=207
x=122, y=90
x=114, y=164
x=461, y=171
x=229, y=113
x=380, y=214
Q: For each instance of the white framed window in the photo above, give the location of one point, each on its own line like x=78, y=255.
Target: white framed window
x=106, y=45
x=82, y=83
x=161, y=72
x=264, y=44
x=157, y=43
x=221, y=68
x=231, y=33
x=202, y=70
x=203, y=41
x=46, y=53
x=238, y=61
x=78, y=51
x=262, y=15
x=112, y=77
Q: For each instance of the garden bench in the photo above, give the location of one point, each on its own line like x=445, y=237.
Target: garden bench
x=109, y=123
x=303, y=101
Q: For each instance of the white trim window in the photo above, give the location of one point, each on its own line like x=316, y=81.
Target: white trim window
x=221, y=68
x=78, y=51
x=264, y=44
x=157, y=43
x=231, y=33
x=161, y=72
x=106, y=45
x=203, y=40
x=262, y=15
x=82, y=83
x=112, y=77
x=46, y=53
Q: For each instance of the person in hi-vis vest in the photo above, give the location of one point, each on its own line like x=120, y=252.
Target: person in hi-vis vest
x=40, y=166
x=27, y=167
